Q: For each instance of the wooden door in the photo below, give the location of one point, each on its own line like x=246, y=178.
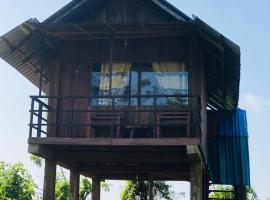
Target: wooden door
x=73, y=87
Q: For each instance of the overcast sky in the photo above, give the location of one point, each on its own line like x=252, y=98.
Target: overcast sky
x=245, y=22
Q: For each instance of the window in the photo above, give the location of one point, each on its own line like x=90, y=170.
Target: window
x=124, y=80
x=163, y=79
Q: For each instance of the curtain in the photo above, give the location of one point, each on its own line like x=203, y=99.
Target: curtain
x=119, y=80
x=120, y=77
x=171, y=77
x=104, y=85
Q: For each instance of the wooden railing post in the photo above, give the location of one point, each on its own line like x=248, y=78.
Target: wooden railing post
x=40, y=107
x=31, y=118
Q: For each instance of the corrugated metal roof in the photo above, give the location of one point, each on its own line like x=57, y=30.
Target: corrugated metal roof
x=25, y=48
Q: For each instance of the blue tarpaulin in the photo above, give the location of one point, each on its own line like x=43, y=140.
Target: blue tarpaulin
x=228, y=159
x=233, y=123
x=228, y=154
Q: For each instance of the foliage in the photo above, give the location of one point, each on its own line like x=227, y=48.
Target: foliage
x=85, y=188
x=16, y=182
x=37, y=160
x=61, y=187
x=139, y=190
x=222, y=195
x=251, y=194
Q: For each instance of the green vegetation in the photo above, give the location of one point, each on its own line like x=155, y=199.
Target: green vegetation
x=139, y=190
x=16, y=182
x=250, y=193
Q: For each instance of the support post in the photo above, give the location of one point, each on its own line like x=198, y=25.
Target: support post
x=151, y=184
x=196, y=180
x=240, y=192
x=49, y=180
x=196, y=172
x=95, y=189
x=74, y=181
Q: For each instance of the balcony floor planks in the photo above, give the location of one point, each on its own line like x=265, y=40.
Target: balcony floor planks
x=115, y=141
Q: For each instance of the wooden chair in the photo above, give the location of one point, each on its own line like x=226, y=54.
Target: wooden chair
x=107, y=119
x=174, y=119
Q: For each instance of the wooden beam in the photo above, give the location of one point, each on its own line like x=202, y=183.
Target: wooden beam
x=134, y=168
x=41, y=151
x=183, y=176
x=95, y=189
x=49, y=179
x=74, y=190
x=158, y=156
x=115, y=142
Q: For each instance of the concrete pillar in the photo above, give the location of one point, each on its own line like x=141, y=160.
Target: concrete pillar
x=95, y=189
x=49, y=180
x=74, y=190
x=196, y=181
x=151, y=184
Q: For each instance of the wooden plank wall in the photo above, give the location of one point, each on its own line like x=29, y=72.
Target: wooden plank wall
x=70, y=73
x=130, y=11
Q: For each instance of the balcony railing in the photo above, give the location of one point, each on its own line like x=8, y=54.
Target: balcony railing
x=79, y=116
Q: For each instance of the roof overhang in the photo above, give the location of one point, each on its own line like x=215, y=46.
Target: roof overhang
x=29, y=46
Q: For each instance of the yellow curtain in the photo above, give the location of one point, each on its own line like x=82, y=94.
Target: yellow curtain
x=120, y=76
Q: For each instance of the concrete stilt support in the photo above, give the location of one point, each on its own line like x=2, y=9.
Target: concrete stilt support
x=95, y=189
x=49, y=180
x=151, y=184
x=196, y=181
x=74, y=190
x=196, y=172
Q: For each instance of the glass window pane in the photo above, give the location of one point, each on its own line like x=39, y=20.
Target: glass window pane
x=164, y=79
x=124, y=82
x=100, y=85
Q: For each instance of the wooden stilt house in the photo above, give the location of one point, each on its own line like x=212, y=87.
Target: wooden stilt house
x=124, y=89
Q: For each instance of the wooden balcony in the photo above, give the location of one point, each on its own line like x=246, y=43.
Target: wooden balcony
x=117, y=141
x=79, y=117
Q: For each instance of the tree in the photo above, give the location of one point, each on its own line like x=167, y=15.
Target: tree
x=139, y=190
x=16, y=182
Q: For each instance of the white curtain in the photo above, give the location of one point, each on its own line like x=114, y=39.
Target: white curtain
x=171, y=76
x=104, y=86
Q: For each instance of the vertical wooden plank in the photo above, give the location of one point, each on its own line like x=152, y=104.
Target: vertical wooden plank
x=53, y=103
x=49, y=180
x=95, y=189
x=74, y=180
